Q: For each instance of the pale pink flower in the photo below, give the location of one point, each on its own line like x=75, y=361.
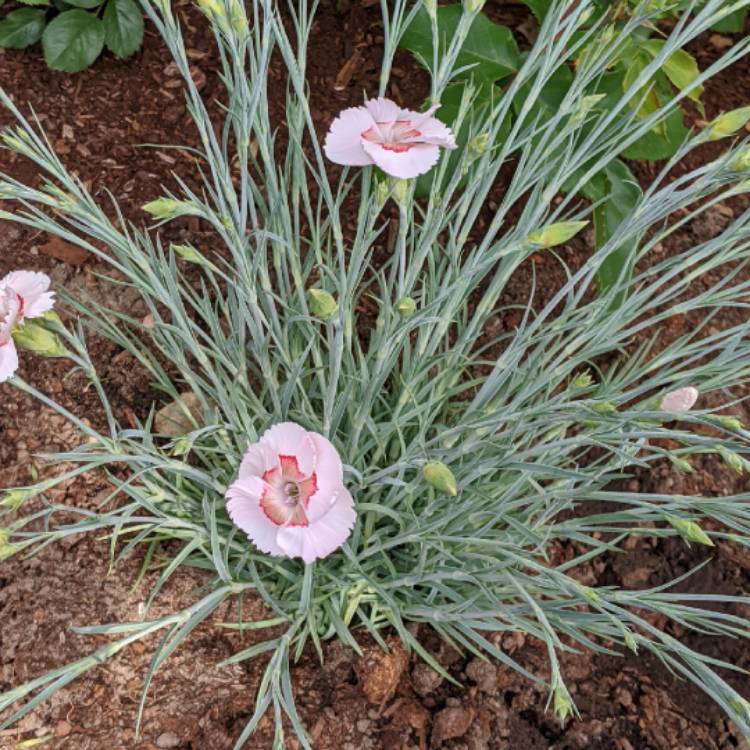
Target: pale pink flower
x=680, y=401
x=23, y=294
x=290, y=497
x=403, y=143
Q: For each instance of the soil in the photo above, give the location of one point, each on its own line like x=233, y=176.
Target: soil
x=98, y=120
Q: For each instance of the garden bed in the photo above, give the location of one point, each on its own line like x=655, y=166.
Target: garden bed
x=98, y=120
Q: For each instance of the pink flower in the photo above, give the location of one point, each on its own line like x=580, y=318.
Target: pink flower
x=681, y=400
x=401, y=142
x=23, y=294
x=290, y=497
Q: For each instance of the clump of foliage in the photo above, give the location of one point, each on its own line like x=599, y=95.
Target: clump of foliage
x=470, y=458
x=73, y=33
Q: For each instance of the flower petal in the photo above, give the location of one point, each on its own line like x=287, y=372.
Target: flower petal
x=681, y=400
x=435, y=132
x=384, y=110
x=32, y=287
x=289, y=439
x=329, y=478
x=343, y=143
x=8, y=360
x=258, y=459
x=322, y=537
x=243, y=506
x=412, y=162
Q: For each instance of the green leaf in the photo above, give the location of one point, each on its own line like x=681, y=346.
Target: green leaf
x=21, y=28
x=123, y=27
x=680, y=67
x=539, y=8
x=489, y=48
x=656, y=146
x=734, y=23
x=623, y=194
x=31, y=2
x=88, y=4
x=73, y=40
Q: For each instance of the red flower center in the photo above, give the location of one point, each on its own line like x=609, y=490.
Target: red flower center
x=392, y=136
x=287, y=493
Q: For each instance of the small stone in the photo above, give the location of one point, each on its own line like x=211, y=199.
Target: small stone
x=451, y=723
x=425, y=679
x=167, y=740
x=483, y=673
x=62, y=729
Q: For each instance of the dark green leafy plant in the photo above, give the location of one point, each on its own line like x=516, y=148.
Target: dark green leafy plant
x=490, y=58
x=73, y=33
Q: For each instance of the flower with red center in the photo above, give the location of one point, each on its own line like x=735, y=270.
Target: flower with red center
x=680, y=401
x=403, y=143
x=23, y=294
x=289, y=497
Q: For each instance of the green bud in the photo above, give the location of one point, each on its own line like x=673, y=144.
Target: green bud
x=6, y=548
x=582, y=380
x=556, y=234
x=605, y=407
x=741, y=706
x=682, y=465
x=728, y=123
x=188, y=253
x=478, y=144
x=51, y=321
x=440, y=477
x=322, y=304
x=400, y=191
x=732, y=460
x=730, y=423
x=741, y=161
x=690, y=531
x=181, y=447
x=431, y=7
x=34, y=338
x=14, y=499
x=562, y=702
x=585, y=105
x=212, y=8
x=406, y=307
x=630, y=641
x=589, y=423
x=473, y=6
x=168, y=208
x=382, y=191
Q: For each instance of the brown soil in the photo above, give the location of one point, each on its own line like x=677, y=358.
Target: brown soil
x=97, y=120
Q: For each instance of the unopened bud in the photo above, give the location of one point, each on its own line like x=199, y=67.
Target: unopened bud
x=322, y=304
x=682, y=465
x=431, y=7
x=400, y=191
x=690, y=531
x=440, y=477
x=34, y=338
x=406, y=307
x=732, y=460
x=188, y=253
x=605, y=407
x=51, y=321
x=478, y=144
x=730, y=423
x=728, y=123
x=168, y=208
x=556, y=234
x=582, y=380
x=562, y=702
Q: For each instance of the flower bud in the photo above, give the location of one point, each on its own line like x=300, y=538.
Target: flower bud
x=728, y=123
x=322, y=304
x=605, y=407
x=168, y=208
x=382, y=191
x=212, y=8
x=730, y=423
x=14, y=499
x=51, y=321
x=406, y=307
x=732, y=460
x=400, y=191
x=556, y=234
x=690, y=531
x=6, y=548
x=473, y=6
x=562, y=702
x=682, y=465
x=440, y=477
x=478, y=144
x=34, y=338
x=188, y=253
x=582, y=380
x=431, y=7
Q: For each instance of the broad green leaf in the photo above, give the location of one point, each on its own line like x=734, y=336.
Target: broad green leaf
x=31, y=2
x=539, y=8
x=85, y=3
x=657, y=146
x=21, y=28
x=680, y=67
x=550, y=97
x=648, y=103
x=73, y=40
x=123, y=27
x=622, y=195
x=489, y=48
x=734, y=23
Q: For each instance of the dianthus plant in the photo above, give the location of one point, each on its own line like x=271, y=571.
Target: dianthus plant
x=470, y=459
